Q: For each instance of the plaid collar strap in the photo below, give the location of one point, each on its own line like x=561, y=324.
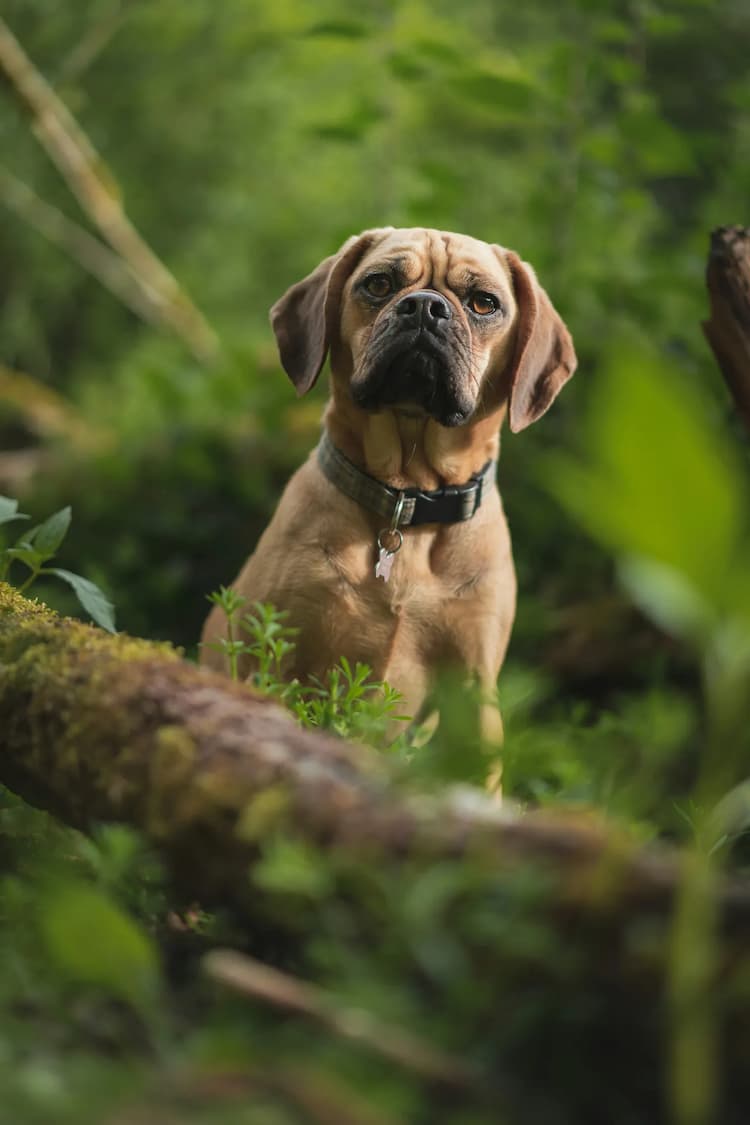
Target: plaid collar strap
x=452, y=504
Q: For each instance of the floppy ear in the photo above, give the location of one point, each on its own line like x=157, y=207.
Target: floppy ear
x=305, y=317
x=544, y=358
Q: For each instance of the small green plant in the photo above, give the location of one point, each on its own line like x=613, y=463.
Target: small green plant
x=36, y=547
x=347, y=701
x=270, y=642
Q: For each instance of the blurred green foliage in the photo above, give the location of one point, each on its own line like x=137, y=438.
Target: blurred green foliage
x=602, y=140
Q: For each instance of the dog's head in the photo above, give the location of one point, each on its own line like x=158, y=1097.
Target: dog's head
x=427, y=322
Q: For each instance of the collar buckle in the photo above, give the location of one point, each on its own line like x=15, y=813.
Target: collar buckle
x=408, y=507
x=398, y=508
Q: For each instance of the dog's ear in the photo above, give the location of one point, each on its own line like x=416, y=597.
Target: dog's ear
x=304, y=319
x=544, y=358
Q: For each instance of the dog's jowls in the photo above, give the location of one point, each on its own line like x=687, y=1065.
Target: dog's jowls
x=433, y=338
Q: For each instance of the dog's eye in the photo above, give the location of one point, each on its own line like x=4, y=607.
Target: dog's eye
x=378, y=285
x=483, y=304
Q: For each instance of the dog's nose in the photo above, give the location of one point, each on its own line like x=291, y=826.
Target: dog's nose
x=424, y=309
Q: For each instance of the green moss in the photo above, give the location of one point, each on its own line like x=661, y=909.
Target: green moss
x=24, y=621
x=66, y=704
x=94, y=726
x=264, y=814
x=171, y=767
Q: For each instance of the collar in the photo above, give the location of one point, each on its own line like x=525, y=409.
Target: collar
x=407, y=507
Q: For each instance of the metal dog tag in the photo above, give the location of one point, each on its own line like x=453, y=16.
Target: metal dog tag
x=386, y=555
x=384, y=564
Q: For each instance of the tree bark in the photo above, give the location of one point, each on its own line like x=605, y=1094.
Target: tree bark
x=728, y=327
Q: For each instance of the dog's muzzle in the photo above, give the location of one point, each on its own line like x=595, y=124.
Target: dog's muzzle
x=415, y=356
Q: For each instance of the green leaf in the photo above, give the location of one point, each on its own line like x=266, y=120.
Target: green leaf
x=667, y=597
x=93, y=942
x=659, y=483
x=732, y=813
x=661, y=149
x=496, y=91
x=339, y=29
x=439, y=51
x=90, y=596
x=26, y=553
x=48, y=536
x=405, y=66
x=351, y=126
x=292, y=867
x=9, y=510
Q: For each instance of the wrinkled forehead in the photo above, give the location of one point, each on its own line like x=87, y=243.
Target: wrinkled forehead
x=422, y=254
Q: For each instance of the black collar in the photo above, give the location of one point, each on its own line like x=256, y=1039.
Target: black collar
x=452, y=504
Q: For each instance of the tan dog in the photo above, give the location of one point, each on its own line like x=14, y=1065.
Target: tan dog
x=433, y=338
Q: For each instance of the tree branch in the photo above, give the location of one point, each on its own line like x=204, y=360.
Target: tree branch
x=94, y=187
x=728, y=327
x=251, y=978
x=93, y=42
x=96, y=258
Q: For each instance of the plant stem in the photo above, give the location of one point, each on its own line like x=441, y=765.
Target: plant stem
x=25, y=585
x=233, y=670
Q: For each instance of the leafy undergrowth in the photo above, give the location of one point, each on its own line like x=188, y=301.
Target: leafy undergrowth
x=36, y=547
x=108, y=1015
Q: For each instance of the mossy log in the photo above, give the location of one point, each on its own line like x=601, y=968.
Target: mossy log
x=728, y=327
x=99, y=728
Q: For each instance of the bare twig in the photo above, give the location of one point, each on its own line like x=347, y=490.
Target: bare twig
x=323, y=1098
x=95, y=189
x=48, y=415
x=323, y=1102
x=252, y=978
x=93, y=42
x=96, y=258
x=44, y=410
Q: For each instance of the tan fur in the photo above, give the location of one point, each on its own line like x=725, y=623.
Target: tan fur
x=451, y=596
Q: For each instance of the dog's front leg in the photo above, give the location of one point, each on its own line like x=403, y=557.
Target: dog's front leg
x=491, y=734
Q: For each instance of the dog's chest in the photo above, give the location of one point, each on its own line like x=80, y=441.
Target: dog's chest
x=421, y=576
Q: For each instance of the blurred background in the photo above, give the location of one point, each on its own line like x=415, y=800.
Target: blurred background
x=245, y=141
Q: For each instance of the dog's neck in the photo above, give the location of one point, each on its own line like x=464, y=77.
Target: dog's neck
x=406, y=450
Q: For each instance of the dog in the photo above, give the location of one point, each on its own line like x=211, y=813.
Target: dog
x=389, y=545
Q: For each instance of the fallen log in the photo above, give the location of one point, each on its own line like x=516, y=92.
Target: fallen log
x=728, y=327
x=566, y=928
x=99, y=728
x=95, y=728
